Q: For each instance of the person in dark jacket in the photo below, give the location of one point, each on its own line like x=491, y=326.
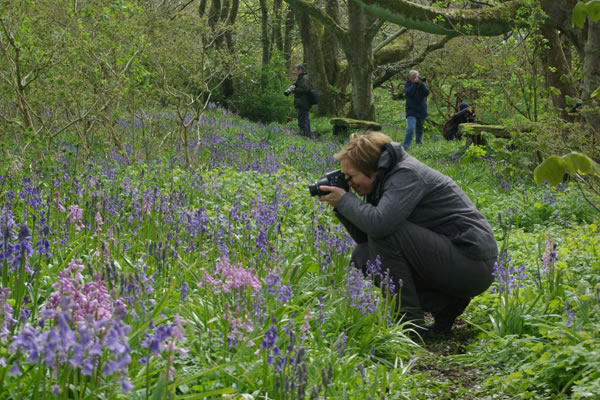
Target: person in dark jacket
x=464, y=114
x=301, y=89
x=437, y=246
x=416, y=92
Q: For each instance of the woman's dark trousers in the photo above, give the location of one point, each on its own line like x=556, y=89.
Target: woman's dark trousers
x=433, y=272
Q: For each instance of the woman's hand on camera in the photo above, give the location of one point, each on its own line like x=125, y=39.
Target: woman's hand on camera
x=334, y=196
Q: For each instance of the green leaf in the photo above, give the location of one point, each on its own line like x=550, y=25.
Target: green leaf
x=596, y=93
x=551, y=170
x=593, y=10
x=160, y=387
x=571, y=101
x=579, y=15
x=590, y=9
x=578, y=163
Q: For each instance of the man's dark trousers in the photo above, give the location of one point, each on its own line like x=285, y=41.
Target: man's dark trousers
x=303, y=121
x=432, y=270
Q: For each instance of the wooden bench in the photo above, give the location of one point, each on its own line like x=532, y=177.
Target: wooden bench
x=342, y=126
x=473, y=132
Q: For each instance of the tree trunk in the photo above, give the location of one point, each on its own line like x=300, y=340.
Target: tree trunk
x=214, y=14
x=359, y=51
x=287, y=40
x=591, y=74
x=559, y=17
x=264, y=17
x=558, y=73
x=330, y=43
x=202, y=8
x=276, y=37
x=228, y=89
x=315, y=63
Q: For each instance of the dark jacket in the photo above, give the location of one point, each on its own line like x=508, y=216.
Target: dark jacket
x=408, y=190
x=450, y=130
x=416, y=99
x=302, y=91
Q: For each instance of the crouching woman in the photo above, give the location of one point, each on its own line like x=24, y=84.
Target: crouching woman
x=430, y=236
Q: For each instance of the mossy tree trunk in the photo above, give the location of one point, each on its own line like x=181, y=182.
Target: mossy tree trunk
x=358, y=48
x=316, y=63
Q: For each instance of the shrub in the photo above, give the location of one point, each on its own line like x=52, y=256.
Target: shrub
x=259, y=96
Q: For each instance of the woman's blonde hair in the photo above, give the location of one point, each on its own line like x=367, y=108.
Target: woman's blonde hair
x=363, y=150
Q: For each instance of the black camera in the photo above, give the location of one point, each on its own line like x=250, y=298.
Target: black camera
x=422, y=79
x=334, y=178
x=289, y=90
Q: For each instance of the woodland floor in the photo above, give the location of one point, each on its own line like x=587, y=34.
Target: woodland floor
x=447, y=371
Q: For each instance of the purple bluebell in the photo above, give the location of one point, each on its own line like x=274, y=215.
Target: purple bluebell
x=284, y=294
x=570, y=315
x=506, y=275
x=341, y=344
x=154, y=340
x=23, y=247
x=550, y=256
x=269, y=338
x=126, y=386
x=55, y=390
x=183, y=294
x=359, y=292
x=6, y=310
x=322, y=313
x=7, y=233
x=272, y=280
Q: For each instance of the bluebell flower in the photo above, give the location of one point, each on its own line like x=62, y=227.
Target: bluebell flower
x=506, y=275
x=23, y=247
x=284, y=294
x=183, y=294
x=7, y=226
x=272, y=280
x=55, y=390
x=570, y=315
x=126, y=386
x=359, y=292
x=14, y=370
x=269, y=338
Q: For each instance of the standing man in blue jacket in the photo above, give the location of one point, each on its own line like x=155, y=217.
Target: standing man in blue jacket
x=416, y=92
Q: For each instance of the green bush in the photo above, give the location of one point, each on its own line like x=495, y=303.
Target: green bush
x=259, y=96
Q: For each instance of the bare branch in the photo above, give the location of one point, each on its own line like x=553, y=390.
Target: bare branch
x=591, y=203
x=129, y=63
x=12, y=121
x=82, y=117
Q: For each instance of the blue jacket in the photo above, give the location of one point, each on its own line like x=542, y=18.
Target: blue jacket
x=416, y=99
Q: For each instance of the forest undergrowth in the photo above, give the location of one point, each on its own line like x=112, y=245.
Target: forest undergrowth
x=127, y=273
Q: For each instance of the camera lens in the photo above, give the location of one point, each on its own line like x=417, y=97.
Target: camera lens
x=313, y=189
